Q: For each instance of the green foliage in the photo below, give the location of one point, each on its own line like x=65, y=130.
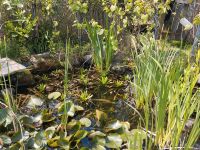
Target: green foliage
x=196, y=19
x=104, y=44
x=164, y=84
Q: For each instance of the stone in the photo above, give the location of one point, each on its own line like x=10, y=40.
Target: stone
x=9, y=66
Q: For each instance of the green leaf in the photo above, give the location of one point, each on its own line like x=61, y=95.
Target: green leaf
x=78, y=108
x=54, y=95
x=5, y=139
x=40, y=139
x=15, y=146
x=99, y=147
x=18, y=136
x=49, y=132
x=85, y=121
x=114, y=141
x=68, y=107
x=101, y=117
x=97, y=133
x=114, y=125
x=80, y=134
x=34, y=102
x=4, y=113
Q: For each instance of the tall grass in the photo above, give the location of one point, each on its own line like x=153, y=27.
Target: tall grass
x=104, y=44
x=164, y=86
x=9, y=107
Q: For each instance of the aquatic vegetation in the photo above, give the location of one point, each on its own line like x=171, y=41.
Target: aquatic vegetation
x=84, y=78
x=85, y=96
x=41, y=87
x=104, y=80
x=164, y=89
x=104, y=44
x=119, y=83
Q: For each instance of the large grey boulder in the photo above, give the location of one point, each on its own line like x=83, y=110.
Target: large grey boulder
x=19, y=74
x=9, y=66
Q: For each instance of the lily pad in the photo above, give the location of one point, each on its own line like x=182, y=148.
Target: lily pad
x=80, y=134
x=54, y=95
x=49, y=132
x=5, y=139
x=85, y=121
x=101, y=117
x=34, y=102
x=114, y=125
x=114, y=141
x=97, y=133
x=68, y=107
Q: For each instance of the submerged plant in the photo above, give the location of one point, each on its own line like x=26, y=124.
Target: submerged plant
x=41, y=87
x=104, y=80
x=119, y=83
x=84, y=78
x=85, y=96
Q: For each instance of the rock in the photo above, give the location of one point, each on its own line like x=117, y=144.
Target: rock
x=8, y=67
x=44, y=62
x=24, y=78
x=189, y=124
x=49, y=88
x=87, y=60
x=121, y=69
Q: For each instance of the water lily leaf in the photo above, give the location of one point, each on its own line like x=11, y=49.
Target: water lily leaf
x=74, y=126
x=84, y=148
x=47, y=116
x=64, y=143
x=30, y=143
x=27, y=121
x=53, y=142
x=34, y=102
x=18, y=136
x=126, y=126
x=114, y=141
x=101, y=117
x=15, y=146
x=54, y=95
x=70, y=109
x=4, y=114
x=78, y=108
x=80, y=134
x=99, y=141
x=6, y=140
x=114, y=125
x=40, y=139
x=99, y=147
x=97, y=133
x=85, y=121
x=49, y=132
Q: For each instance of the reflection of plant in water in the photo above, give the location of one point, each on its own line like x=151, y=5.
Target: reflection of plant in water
x=85, y=96
x=41, y=87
